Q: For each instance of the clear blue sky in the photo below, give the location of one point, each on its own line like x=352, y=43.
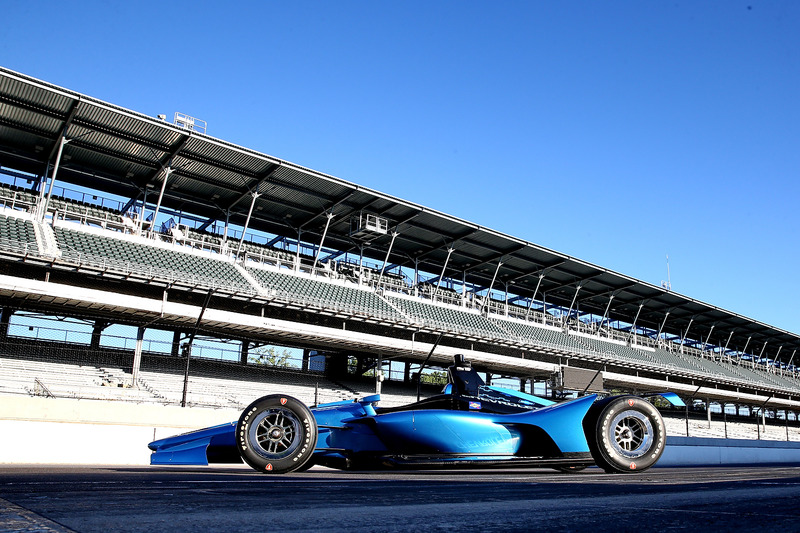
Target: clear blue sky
x=615, y=132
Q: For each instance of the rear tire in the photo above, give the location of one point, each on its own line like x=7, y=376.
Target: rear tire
x=629, y=435
x=276, y=434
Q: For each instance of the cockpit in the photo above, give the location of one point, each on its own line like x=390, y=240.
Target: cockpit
x=467, y=391
x=464, y=379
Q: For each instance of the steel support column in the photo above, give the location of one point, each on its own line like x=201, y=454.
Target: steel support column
x=761, y=355
x=660, y=329
x=176, y=343
x=40, y=216
x=708, y=337
x=247, y=224
x=225, y=231
x=790, y=360
x=97, y=332
x=167, y=172
x=605, y=314
x=140, y=225
x=444, y=267
x=685, y=333
x=777, y=354
x=725, y=350
x=296, y=266
x=491, y=286
x=416, y=277
x=744, y=351
x=535, y=291
x=633, y=326
x=386, y=259
x=244, y=352
x=322, y=240
x=378, y=374
x=569, y=311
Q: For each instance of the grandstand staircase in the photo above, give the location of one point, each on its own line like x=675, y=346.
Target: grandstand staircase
x=399, y=310
x=250, y=279
x=142, y=384
x=351, y=392
x=114, y=377
x=504, y=328
x=46, y=240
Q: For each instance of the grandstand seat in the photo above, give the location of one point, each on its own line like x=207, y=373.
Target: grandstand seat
x=17, y=229
x=115, y=252
x=447, y=318
x=16, y=198
x=321, y=293
x=538, y=335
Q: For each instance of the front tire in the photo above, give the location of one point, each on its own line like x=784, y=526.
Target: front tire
x=629, y=435
x=276, y=434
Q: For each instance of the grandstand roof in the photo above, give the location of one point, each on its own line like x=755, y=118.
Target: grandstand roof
x=127, y=153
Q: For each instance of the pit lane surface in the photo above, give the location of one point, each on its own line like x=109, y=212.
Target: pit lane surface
x=237, y=499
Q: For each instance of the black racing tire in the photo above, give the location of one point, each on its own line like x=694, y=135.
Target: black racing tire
x=626, y=434
x=308, y=465
x=276, y=434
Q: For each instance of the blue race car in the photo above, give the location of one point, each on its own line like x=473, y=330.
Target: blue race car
x=470, y=424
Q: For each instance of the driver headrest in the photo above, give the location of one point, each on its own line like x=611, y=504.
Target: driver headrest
x=460, y=362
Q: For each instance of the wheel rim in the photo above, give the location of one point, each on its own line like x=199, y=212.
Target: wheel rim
x=275, y=433
x=633, y=434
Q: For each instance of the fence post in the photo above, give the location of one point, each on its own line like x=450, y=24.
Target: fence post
x=786, y=419
x=687, y=419
x=137, y=356
x=758, y=425
x=725, y=420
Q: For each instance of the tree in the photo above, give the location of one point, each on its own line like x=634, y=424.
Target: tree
x=434, y=378
x=270, y=356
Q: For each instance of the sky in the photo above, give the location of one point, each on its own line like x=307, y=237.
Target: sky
x=614, y=132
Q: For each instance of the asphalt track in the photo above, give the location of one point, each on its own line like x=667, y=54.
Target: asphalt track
x=237, y=499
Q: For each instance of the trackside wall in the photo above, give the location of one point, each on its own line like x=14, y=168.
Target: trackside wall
x=67, y=431
x=697, y=451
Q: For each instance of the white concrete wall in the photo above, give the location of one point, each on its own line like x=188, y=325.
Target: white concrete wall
x=67, y=431
x=696, y=451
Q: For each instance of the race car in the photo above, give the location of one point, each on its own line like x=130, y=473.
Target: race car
x=469, y=424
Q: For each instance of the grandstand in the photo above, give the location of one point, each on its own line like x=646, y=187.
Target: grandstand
x=138, y=223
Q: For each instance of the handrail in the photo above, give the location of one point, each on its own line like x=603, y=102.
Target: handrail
x=39, y=386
